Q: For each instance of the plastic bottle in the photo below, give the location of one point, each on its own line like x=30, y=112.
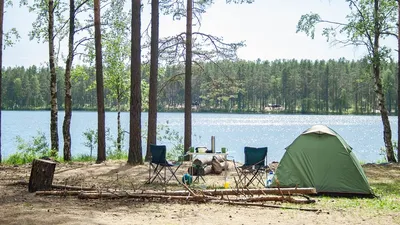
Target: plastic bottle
x=226, y=183
x=269, y=178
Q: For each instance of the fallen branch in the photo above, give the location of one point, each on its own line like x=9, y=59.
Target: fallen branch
x=189, y=191
x=68, y=187
x=57, y=193
x=108, y=195
x=265, y=205
x=58, y=186
x=277, y=199
x=270, y=191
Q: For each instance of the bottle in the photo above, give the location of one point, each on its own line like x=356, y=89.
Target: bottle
x=269, y=178
x=226, y=183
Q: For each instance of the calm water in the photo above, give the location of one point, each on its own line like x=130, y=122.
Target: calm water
x=234, y=131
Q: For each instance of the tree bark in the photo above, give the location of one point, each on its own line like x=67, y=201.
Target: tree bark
x=188, y=78
x=101, y=142
x=1, y=62
x=68, y=95
x=53, y=84
x=42, y=174
x=135, y=141
x=387, y=132
x=398, y=82
x=119, y=129
x=152, y=119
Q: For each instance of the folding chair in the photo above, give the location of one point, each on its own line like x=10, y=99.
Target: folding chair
x=254, y=166
x=159, y=163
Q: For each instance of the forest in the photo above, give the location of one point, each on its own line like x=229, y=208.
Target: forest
x=298, y=86
x=127, y=68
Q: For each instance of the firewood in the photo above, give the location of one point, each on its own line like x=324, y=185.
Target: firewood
x=57, y=193
x=266, y=205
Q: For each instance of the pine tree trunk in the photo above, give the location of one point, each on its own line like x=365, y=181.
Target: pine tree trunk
x=135, y=141
x=1, y=62
x=188, y=78
x=68, y=95
x=101, y=142
x=152, y=120
x=53, y=84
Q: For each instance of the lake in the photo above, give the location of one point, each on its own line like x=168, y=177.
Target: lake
x=233, y=131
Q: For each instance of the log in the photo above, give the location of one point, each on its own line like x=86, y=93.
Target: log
x=68, y=187
x=196, y=170
x=108, y=195
x=217, y=192
x=42, y=175
x=57, y=193
x=269, y=206
x=272, y=191
x=208, y=170
x=207, y=160
x=199, y=170
x=217, y=167
x=192, y=197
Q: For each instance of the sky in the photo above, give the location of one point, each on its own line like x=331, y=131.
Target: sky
x=267, y=27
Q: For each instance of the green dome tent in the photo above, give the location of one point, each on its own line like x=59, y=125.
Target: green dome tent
x=320, y=158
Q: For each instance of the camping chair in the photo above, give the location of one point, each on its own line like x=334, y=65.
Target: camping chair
x=159, y=163
x=254, y=166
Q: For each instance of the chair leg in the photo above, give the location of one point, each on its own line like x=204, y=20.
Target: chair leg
x=256, y=177
x=242, y=177
x=157, y=173
x=173, y=174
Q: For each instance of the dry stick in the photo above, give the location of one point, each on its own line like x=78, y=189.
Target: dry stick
x=269, y=206
x=58, y=193
x=237, y=186
x=84, y=195
x=68, y=187
x=60, y=186
x=189, y=190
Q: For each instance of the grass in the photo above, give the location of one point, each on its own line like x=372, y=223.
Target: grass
x=384, y=181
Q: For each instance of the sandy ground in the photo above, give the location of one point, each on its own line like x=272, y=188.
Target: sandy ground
x=18, y=206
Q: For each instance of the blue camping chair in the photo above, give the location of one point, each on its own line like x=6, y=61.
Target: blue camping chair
x=159, y=163
x=254, y=166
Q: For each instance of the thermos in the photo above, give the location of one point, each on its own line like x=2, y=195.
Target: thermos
x=213, y=144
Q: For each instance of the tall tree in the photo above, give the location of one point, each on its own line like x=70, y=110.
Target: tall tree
x=67, y=81
x=152, y=119
x=101, y=142
x=1, y=62
x=188, y=77
x=72, y=48
x=135, y=140
x=116, y=55
x=53, y=83
x=369, y=21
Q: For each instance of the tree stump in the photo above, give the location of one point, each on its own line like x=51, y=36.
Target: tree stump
x=42, y=174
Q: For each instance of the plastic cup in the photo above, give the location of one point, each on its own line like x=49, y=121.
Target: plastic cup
x=223, y=150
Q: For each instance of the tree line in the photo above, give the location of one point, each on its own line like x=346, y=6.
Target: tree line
x=279, y=86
